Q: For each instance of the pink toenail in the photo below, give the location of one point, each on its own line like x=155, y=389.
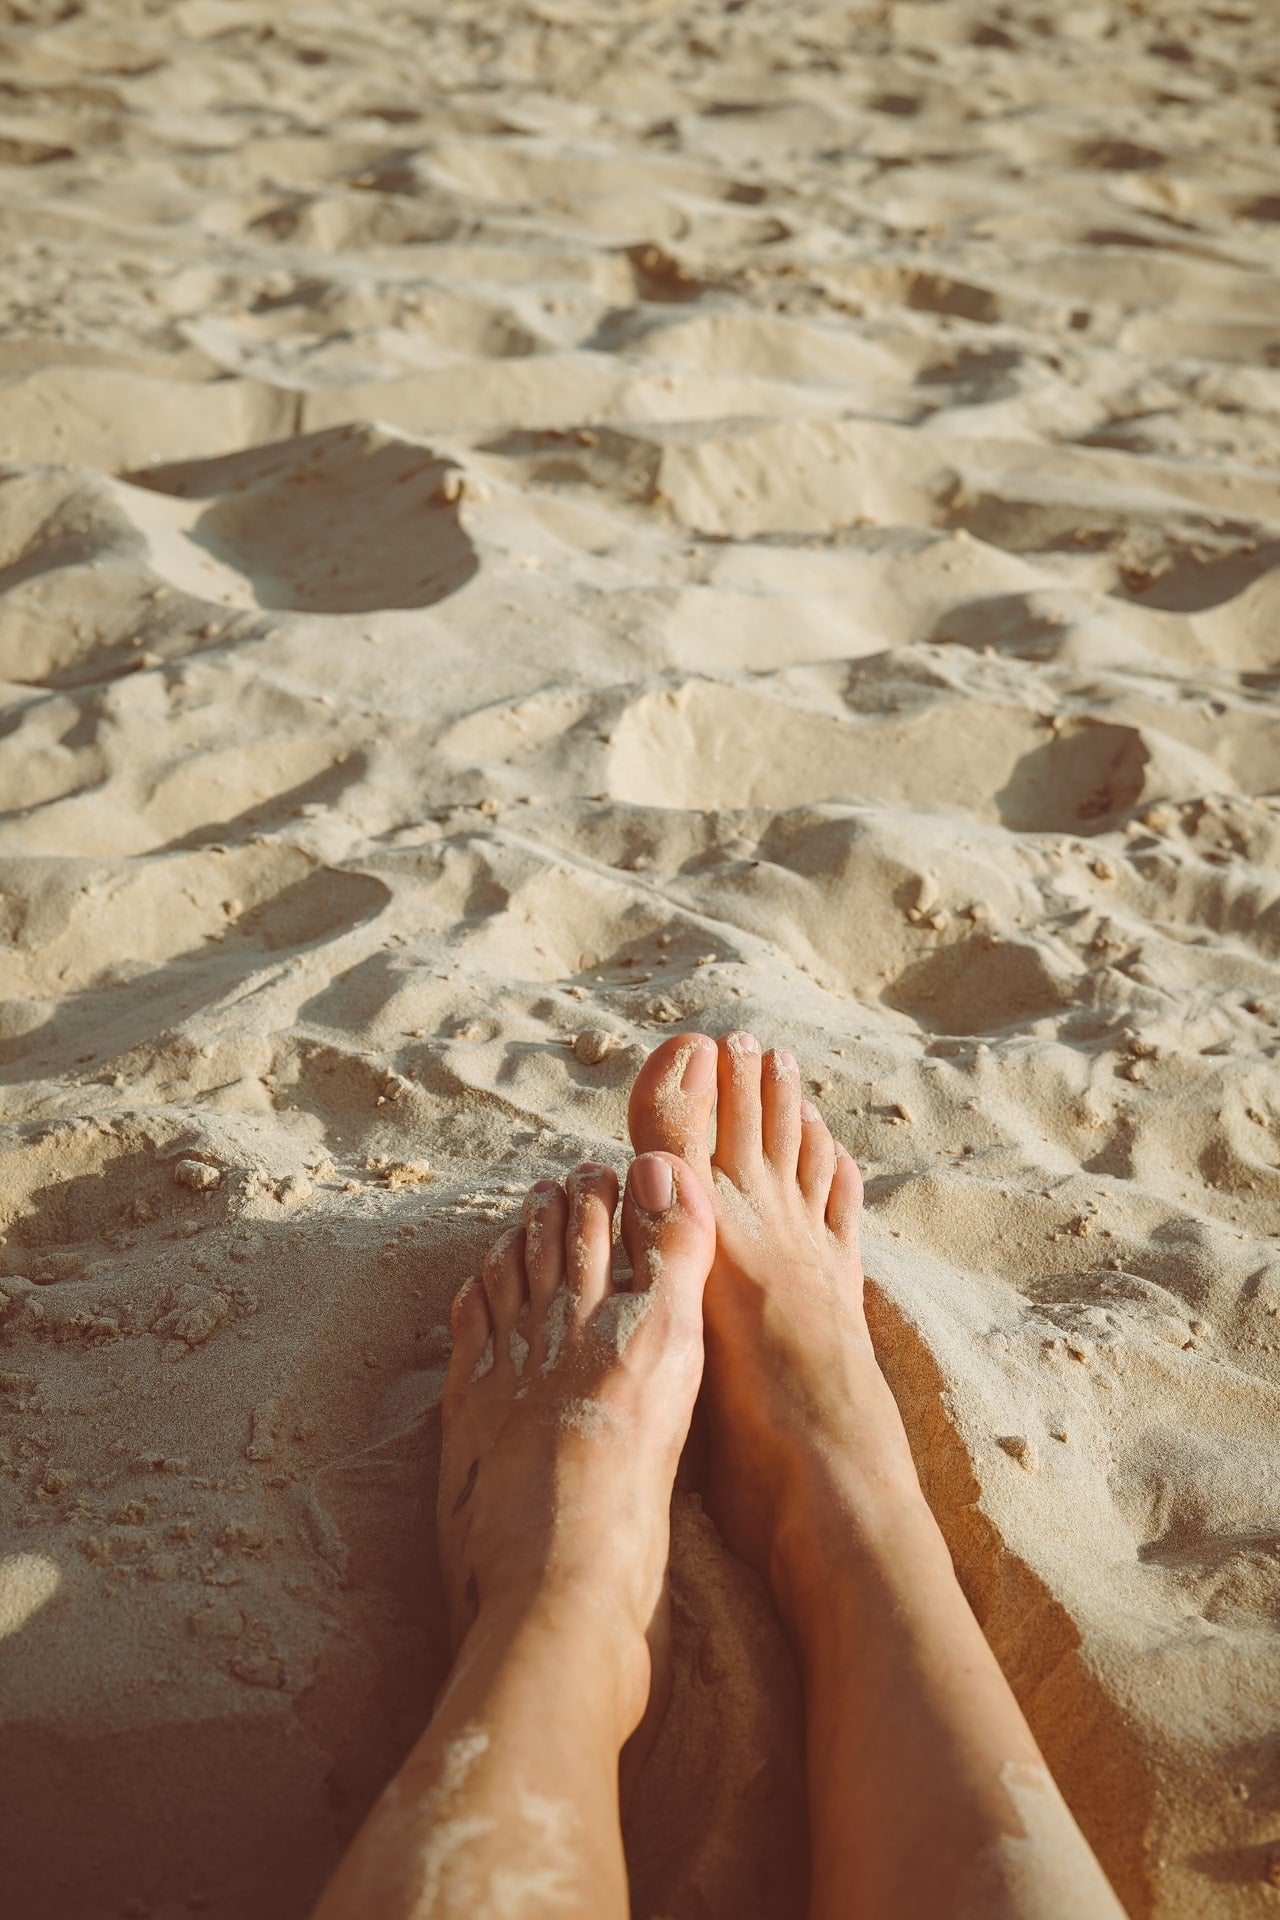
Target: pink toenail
x=790, y=1062
x=700, y=1072
x=744, y=1043
x=590, y=1166
x=652, y=1186
x=544, y=1186
x=809, y=1112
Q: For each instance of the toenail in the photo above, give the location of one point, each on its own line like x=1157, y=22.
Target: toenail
x=790, y=1062
x=744, y=1043
x=652, y=1186
x=700, y=1071
x=590, y=1167
x=544, y=1186
x=808, y=1111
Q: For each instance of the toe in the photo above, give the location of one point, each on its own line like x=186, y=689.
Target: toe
x=817, y=1159
x=546, y=1214
x=738, y=1120
x=780, y=1111
x=669, y=1231
x=505, y=1284
x=472, y=1359
x=472, y=1329
x=588, y=1240
x=844, y=1203
x=673, y=1099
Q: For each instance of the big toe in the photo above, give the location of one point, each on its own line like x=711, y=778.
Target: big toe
x=673, y=1100
x=669, y=1231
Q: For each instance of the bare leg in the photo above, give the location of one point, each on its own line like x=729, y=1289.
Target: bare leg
x=929, y=1799
x=565, y=1411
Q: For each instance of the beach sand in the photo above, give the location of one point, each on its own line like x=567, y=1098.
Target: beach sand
x=524, y=528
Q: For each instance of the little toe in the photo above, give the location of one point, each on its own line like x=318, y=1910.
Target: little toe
x=739, y=1150
x=588, y=1240
x=817, y=1159
x=472, y=1330
x=844, y=1202
x=780, y=1111
x=669, y=1231
x=673, y=1099
x=505, y=1284
x=546, y=1214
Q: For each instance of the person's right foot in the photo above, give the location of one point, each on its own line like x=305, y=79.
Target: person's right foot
x=804, y=1429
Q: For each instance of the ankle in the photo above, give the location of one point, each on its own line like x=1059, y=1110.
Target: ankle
x=850, y=1539
x=564, y=1629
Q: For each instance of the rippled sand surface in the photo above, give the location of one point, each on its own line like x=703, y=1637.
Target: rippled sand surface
x=521, y=528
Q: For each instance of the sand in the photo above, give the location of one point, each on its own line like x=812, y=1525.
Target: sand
x=525, y=528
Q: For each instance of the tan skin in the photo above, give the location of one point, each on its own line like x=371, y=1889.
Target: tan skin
x=554, y=1502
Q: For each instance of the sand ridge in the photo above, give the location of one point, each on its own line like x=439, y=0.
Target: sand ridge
x=523, y=529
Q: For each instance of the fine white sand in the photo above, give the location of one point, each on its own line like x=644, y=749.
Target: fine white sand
x=525, y=527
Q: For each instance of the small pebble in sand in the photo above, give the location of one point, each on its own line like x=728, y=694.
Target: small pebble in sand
x=593, y=1045
x=193, y=1313
x=262, y=1432
x=198, y=1175
x=405, y=1173
x=927, y=896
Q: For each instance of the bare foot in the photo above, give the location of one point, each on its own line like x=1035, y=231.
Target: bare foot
x=567, y=1403
x=918, y=1751
x=798, y=1403
x=565, y=1410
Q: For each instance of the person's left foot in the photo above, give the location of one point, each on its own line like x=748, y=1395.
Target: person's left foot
x=565, y=1410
